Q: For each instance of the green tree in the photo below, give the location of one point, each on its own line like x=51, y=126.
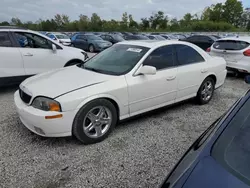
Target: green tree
x=83, y=24
x=232, y=12
x=96, y=22
x=16, y=21
x=124, y=23
x=248, y=25
x=145, y=24
x=158, y=20
x=132, y=23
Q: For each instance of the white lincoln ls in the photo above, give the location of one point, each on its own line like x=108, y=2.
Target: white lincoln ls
x=129, y=78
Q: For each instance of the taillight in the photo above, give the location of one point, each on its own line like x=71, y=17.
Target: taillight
x=208, y=50
x=247, y=52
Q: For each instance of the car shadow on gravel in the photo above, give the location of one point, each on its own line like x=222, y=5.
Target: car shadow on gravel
x=8, y=89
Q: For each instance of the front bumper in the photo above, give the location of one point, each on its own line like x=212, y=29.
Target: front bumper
x=34, y=120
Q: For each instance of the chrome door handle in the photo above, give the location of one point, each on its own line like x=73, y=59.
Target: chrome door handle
x=28, y=54
x=170, y=78
x=203, y=70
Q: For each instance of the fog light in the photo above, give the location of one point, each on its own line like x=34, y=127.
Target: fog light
x=39, y=130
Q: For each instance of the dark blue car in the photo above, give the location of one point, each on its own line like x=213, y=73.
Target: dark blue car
x=220, y=157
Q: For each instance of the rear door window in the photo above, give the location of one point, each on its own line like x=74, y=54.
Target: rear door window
x=187, y=55
x=230, y=45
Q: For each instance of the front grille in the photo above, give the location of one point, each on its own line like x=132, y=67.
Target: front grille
x=24, y=96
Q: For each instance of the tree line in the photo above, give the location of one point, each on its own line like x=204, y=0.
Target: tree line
x=228, y=16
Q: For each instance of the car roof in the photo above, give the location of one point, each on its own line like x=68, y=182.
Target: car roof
x=152, y=43
x=245, y=39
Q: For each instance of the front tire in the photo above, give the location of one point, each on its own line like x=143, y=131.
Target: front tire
x=95, y=121
x=206, y=91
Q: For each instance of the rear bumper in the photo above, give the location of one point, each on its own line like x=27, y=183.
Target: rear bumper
x=221, y=79
x=241, y=66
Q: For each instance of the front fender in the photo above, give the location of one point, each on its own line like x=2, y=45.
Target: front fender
x=123, y=108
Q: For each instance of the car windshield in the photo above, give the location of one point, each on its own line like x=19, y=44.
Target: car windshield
x=230, y=45
x=158, y=37
x=93, y=37
x=61, y=36
x=232, y=149
x=118, y=37
x=141, y=37
x=116, y=60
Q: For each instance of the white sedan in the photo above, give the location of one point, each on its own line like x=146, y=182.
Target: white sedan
x=130, y=78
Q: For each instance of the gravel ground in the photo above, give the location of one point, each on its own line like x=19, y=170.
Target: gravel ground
x=139, y=153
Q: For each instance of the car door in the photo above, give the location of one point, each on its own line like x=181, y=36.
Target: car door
x=190, y=73
x=147, y=92
x=37, y=53
x=11, y=62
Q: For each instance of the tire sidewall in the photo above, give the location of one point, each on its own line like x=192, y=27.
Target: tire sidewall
x=199, y=97
x=78, y=122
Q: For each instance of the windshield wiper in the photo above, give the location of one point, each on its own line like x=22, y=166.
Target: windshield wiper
x=93, y=69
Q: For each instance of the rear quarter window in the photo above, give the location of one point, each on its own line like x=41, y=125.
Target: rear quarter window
x=230, y=45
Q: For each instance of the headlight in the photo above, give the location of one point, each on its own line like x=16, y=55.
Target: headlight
x=46, y=104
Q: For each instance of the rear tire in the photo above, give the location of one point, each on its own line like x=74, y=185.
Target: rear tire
x=94, y=121
x=206, y=91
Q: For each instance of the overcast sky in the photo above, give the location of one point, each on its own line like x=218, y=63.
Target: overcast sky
x=32, y=10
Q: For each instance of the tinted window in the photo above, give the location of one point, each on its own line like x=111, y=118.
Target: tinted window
x=232, y=149
x=151, y=37
x=230, y=45
x=187, y=55
x=116, y=60
x=82, y=37
x=30, y=40
x=93, y=37
x=161, y=58
x=193, y=38
x=5, y=40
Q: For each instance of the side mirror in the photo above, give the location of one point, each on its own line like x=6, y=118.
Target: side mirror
x=147, y=70
x=54, y=47
x=247, y=79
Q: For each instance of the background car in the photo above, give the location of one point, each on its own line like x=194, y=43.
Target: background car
x=220, y=156
x=89, y=99
x=135, y=37
x=156, y=37
x=203, y=41
x=90, y=42
x=60, y=37
x=25, y=53
x=236, y=52
x=113, y=38
x=169, y=37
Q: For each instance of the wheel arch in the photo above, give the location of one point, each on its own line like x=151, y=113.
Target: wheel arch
x=108, y=97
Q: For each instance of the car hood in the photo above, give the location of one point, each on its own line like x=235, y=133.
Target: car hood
x=61, y=81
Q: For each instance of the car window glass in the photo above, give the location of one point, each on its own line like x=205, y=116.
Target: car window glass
x=5, y=40
x=230, y=45
x=232, y=149
x=151, y=37
x=187, y=55
x=116, y=60
x=193, y=38
x=161, y=58
x=30, y=40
